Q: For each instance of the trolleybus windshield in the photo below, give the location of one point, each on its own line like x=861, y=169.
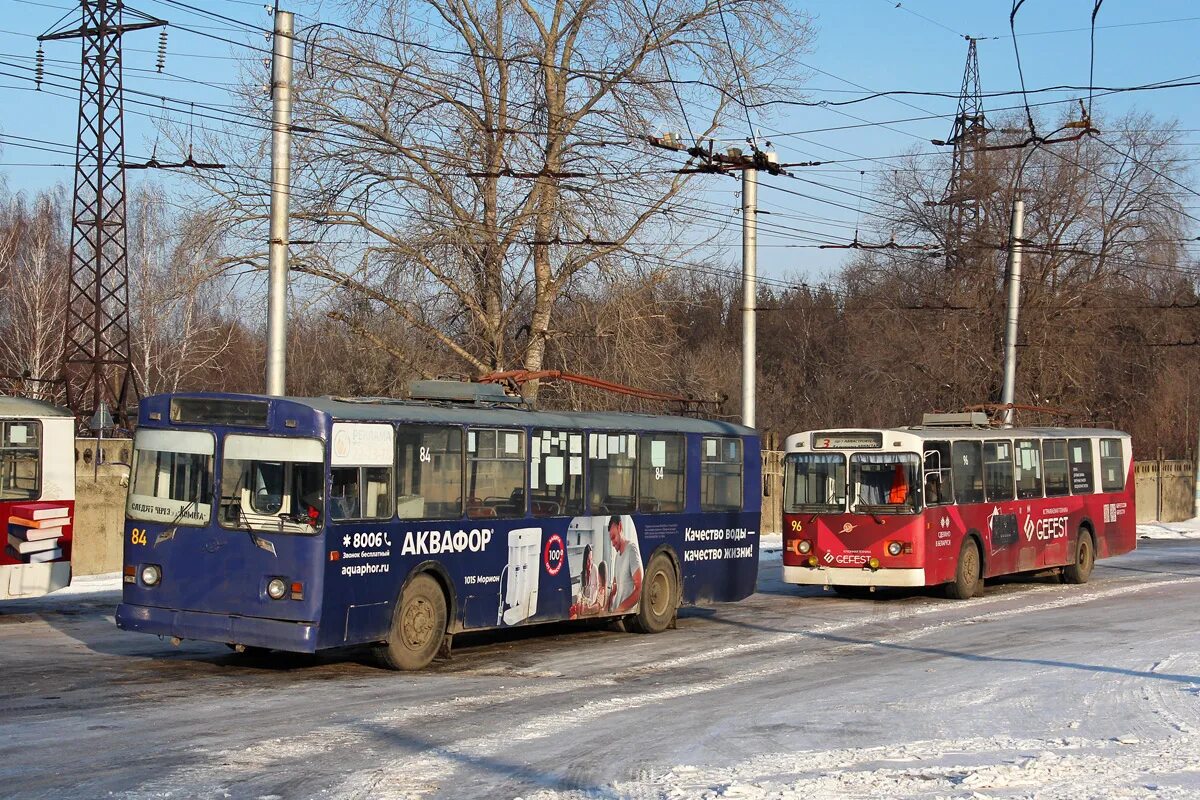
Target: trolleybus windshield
x=172, y=477
x=818, y=482
x=884, y=482
x=272, y=484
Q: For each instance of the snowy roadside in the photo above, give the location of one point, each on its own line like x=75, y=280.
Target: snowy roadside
x=92, y=584
x=770, y=547
x=1188, y=529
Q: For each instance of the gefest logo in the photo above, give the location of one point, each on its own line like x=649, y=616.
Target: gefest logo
x=555, y=554
x=849, y=559
x=1045, y=529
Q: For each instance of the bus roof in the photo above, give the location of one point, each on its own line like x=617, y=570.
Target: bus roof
x=389, y=410
x=28, y=407
x=801, y=440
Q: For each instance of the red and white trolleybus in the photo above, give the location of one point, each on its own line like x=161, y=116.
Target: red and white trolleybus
x=953, y=501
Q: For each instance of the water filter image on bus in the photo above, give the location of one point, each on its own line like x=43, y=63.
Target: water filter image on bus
x=519, y=590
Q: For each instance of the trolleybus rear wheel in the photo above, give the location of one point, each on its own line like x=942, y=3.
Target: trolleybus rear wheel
x=1085, y=559
x=660, y=596
x=418, y=626
x=968, y=576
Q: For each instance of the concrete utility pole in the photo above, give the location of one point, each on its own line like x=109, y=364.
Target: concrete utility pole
x=281, y=169
x=749, y=291
x=1014, y=307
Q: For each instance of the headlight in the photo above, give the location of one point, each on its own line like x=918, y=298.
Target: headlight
x=804, y=546
x=276, y=589
x=894, y=548
x=151, y=574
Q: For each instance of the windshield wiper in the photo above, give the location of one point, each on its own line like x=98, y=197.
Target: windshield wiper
x=168, y=533
x=867, y=508
x=259, y=542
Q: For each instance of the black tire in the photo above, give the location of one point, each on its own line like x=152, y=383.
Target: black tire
x=968, y=576
x=1085, y=559
x=660, y=596
x=853, y=592
x=418, y=626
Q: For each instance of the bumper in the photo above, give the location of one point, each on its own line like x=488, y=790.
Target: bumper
x=852, y=576
x=274, y=634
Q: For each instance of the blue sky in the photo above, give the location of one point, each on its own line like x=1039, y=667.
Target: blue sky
x=860, y=44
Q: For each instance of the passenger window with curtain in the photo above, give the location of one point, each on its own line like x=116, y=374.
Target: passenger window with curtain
x=967, y=469
x=495, y=472
x=1029, y=469
x=661, y=460
x=1112, y=466
x=1079, y=455
x=1058, y=477
x=556, y=476
x=720, y=474
x=612, y=472
x=998, y=470
x=429, y=472
x=20, y=462
x=938, y=480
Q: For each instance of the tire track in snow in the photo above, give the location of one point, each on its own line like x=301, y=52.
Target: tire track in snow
x=436, y=765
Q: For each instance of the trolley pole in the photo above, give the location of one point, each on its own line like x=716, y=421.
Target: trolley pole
x=749, y=291
x=281, y=163
x=1014, y=308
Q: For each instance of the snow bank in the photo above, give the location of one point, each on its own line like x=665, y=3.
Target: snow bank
x=92, y=584
x=1188, y=529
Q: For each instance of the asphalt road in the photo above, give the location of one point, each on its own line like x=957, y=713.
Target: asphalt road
x=1035, y=689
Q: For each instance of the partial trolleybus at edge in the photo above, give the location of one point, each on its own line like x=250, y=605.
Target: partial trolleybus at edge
x=951, y=502
x=37, y=496
x=309, y=524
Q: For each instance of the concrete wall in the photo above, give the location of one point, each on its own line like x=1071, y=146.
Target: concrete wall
x=1168, y=497
x=99, y=505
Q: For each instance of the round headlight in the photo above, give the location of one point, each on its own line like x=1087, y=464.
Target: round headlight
x=805, y=545
x=276, y=589
x=151, y=574
x=894, y=548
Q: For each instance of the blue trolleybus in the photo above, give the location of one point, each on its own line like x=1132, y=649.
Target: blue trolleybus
x=303, y=524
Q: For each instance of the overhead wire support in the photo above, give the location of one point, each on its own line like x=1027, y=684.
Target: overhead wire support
x=97, y=370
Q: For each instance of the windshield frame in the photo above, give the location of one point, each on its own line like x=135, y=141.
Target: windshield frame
x=791, y=460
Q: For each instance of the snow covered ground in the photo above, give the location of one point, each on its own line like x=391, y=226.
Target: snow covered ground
x=1035, y=690
x=1188, y=529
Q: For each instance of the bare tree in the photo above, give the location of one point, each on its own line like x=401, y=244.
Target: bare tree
x=33, y=271
x=464, y=163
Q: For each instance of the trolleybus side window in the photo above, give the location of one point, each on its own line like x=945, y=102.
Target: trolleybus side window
x=360, y=493
x=1079, y=453
x=884, y=481
x=612, y=472
x=20, y=465
x=429, y=472
x=556, y=473
x=816, y=482
x=273, y=484
x=661, y=460
x=937, y=474
x=495, y=472
x=172, y=477
x=1112, y=466
x=1058, y=478
x=721, y=474
x=998, y=470
x=967, y=467
x=1029, y=469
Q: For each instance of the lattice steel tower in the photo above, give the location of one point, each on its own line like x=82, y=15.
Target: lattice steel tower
x=96, y=357
x=968, y=185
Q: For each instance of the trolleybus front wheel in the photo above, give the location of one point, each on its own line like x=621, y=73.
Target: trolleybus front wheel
x=418, y=626
x=660, y=596
x=969, y=575
x=1085, y=559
